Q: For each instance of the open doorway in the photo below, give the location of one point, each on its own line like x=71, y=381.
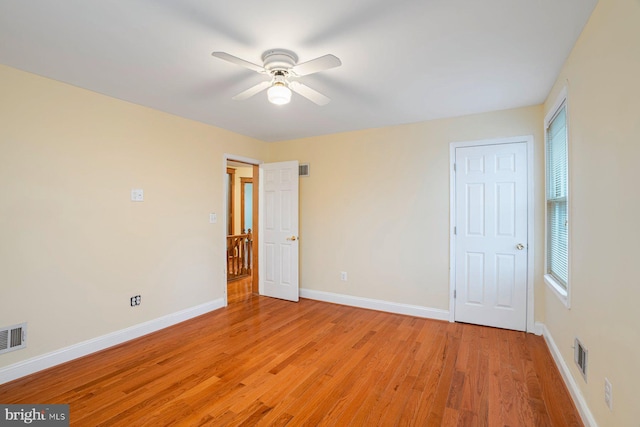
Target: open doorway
x=242, y=230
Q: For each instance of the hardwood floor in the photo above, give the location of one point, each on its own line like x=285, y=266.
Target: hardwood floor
x=238, y=290
x=263, y=361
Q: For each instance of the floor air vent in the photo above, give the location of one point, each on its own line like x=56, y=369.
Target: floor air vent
x=303, y=169
x=580, y=357
x=13, y=338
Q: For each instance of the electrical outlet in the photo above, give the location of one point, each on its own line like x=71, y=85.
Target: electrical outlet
x=136, y=300
x=608, y=396
x=343, y=276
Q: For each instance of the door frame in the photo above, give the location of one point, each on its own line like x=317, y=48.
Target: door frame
x=528, y=139
x=255, y=273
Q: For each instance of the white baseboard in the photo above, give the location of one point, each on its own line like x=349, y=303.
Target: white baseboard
x=38, y=363
x=569, y=380
x=538, y=328
x=374, y=304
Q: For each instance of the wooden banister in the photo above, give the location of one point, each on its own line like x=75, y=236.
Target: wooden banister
x=239, y=255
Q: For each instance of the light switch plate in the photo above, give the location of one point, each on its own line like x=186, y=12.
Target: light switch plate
x=137, y=195
x=213, y=218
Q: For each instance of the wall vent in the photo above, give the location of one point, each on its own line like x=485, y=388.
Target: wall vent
x=303, y=169
x=13, y=338
x=580, y=354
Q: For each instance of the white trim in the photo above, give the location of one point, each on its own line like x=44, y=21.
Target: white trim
x=531, y=237
x=561, y=98
x=560, y=292
x=241, y=159
x=452, y=236
x=374, y=304
x=574, y=390
x=528, y=139
x=38, y=363
x=225, y=159
x=563, y=294
x=539, y=328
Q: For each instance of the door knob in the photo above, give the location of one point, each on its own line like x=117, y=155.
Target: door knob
x=519, y=246
x=292, y=238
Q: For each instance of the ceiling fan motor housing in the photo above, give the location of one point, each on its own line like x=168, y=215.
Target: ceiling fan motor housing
x=279, y=60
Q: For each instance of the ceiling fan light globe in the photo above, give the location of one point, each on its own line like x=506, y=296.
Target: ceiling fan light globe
x=279, y=94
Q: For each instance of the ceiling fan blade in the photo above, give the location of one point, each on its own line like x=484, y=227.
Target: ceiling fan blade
x=311, y=94
x=238, y=61
x=252, y=91
x=319, y=64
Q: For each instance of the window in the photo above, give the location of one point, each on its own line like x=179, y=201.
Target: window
x=557, y=247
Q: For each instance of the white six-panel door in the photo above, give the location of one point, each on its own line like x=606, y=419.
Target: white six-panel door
x=491, y=207
x=279, y=230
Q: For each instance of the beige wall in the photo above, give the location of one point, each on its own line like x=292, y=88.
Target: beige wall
x=376, y=205
x=73, y=247
x=602, y=78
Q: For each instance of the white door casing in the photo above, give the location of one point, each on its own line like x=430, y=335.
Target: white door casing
x=279, y=230
x=491, y=236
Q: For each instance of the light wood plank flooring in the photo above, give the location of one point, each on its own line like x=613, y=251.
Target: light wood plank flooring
x=263, y=361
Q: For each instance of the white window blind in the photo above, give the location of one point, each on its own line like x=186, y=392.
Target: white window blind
x=557, y=188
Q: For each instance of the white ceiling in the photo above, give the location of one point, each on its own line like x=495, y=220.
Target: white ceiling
x=403, y=61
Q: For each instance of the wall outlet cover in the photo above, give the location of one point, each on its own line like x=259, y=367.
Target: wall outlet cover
x=137, y=195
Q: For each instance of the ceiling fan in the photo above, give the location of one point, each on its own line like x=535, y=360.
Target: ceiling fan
x=283, y=68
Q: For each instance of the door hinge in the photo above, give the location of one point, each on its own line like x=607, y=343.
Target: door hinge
x=455, y=230
x=454, y=167
x=454, y=294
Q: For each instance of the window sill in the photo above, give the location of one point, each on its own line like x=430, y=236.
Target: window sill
x=557, y=289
